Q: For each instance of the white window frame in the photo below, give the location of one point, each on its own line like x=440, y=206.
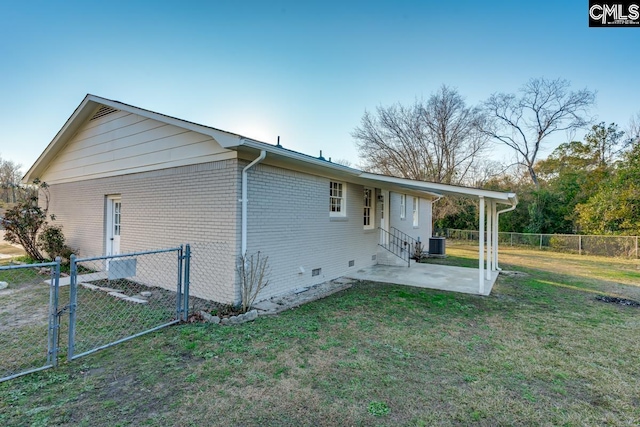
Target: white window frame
x=337, y=198
x=403, y=206
x=369, y=210
x=416, y=212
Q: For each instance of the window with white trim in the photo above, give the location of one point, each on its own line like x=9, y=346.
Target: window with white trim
x=337, y=199
x=368, y=211
x=416, y=211
x=403, y=206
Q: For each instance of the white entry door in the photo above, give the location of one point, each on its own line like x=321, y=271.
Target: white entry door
x=114, y=217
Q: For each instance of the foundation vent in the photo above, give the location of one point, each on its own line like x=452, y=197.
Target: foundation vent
x=103, y=111
x=316, y=271
x=352, y=263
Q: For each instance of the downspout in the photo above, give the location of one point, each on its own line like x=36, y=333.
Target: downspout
x=243, y=231
x=509, y=209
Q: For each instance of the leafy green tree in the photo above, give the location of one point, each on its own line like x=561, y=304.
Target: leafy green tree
x=615, y=208
x=571, y=175
x=604, y=142
x=24, y=222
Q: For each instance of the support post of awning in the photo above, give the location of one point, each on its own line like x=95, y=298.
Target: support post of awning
x=481, y=247
x=495, y=236
x=512, y=207
x=489, y=239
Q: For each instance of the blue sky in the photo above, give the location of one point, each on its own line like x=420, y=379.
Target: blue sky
x=306, y=71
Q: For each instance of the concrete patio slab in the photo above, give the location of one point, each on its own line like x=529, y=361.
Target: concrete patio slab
x=431, y=276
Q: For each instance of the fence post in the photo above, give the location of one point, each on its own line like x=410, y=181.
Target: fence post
x=187, y=272
x=54, y=320
x=636, y=246
x=179, y=284
x=73, y=300
x=540, y=241
x=580, y=244
x=511, y=239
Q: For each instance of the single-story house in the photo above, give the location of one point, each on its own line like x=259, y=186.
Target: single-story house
x=124, y=179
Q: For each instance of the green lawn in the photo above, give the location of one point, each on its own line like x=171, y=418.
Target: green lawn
x=539, y=351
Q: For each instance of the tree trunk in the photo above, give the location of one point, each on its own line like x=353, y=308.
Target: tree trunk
x=534, y=177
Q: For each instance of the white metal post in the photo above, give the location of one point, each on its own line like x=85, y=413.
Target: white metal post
x=580, y=245
x=481, y=247
x=489, y=239
x=496, y=236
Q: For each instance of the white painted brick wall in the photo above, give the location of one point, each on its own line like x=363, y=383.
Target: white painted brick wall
x=160, y=209
x=406, y=225
x=289, y=221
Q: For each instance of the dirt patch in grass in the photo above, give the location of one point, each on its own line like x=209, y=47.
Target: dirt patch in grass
x=620, y=301
x=26, y=300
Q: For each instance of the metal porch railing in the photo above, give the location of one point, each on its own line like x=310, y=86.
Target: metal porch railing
x=400, y=244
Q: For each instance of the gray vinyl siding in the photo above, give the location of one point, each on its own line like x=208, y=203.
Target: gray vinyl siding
x=423, y=230
x=163, y=208
x=288, y=220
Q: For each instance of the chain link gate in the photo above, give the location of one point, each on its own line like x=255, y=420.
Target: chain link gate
x=29, y=318
x=116, y=298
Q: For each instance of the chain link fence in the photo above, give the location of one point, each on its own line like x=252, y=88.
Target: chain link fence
x=28, y=318
x=610, y=246
x=46, y=314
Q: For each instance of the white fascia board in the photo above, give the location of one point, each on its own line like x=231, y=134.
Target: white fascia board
x=432, y=189
x=246, y=142
x=508, y=198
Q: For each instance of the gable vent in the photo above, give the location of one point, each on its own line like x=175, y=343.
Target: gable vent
x=103, y=111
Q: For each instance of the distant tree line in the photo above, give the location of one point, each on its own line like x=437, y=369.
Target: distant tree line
x=589, y=186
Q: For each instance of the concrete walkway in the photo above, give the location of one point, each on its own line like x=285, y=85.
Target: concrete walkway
x=431, y=276
x=89, y=277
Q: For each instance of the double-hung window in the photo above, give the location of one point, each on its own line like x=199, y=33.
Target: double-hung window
x=368, y=211
x=337, y=199
x=416, y=211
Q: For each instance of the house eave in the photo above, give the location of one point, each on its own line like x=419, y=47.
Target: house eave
x=326, y=168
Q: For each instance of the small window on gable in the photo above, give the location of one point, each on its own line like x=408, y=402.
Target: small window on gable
x=368, y=211
x=337, y=199
x=416, y=211
x=403, y=206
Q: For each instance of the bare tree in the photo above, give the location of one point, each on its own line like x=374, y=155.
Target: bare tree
x=633, y=131
x=542, y=107
x=604, y=142
x=9, y=180
x=438, y=140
